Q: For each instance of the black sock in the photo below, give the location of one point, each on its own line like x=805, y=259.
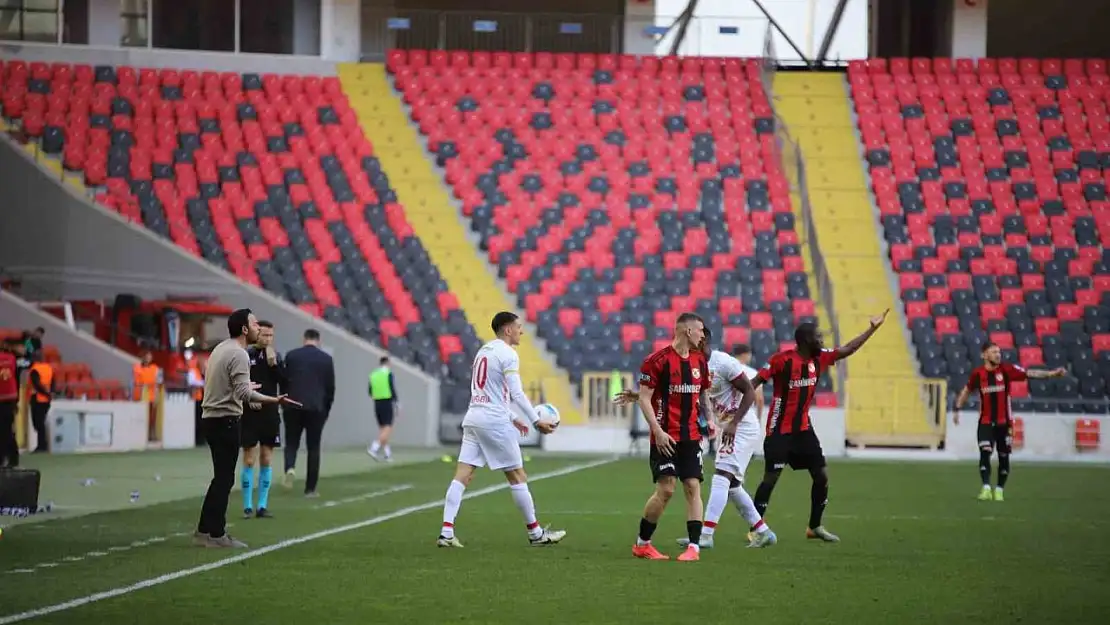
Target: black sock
x=647, y=528
x=1003, y=469
x=818, y=499
x=693, y=530
x=985, y=466
x=763, y=498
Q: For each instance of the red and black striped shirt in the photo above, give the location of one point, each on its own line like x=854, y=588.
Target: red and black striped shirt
x=994, y=391
x=795, y=379
x=677, y=384
x=9, y=378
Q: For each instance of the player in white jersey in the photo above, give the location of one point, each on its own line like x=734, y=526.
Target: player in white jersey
x=730, y=379
x=491, y=433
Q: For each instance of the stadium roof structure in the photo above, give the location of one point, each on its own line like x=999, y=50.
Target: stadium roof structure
x=682, y=23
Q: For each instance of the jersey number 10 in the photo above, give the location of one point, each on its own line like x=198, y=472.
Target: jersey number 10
x=481, y=369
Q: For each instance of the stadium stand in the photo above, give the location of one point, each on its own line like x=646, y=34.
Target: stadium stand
x=613, y=191
x=74, y=380
x=991, y=183
x=269, y=177
x=886, y=404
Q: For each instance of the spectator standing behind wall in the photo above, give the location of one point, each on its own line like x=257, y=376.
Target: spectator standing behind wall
x=146, y=380
x=42, y=393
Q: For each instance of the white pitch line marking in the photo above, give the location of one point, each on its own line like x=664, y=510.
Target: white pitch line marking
x=99, y=554
x=285, y=544
x=365, y=496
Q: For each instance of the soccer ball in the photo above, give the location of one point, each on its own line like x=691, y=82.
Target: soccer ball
x=547, y=412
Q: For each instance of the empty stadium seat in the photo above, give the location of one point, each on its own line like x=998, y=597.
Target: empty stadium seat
x=991, y=182
x=269, y=177
x=612, y=192
x=1087, y=434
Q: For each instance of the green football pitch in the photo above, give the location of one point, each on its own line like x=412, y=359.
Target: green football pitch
x=916, y=548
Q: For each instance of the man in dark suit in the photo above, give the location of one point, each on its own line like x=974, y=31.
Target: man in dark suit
x=310, y=373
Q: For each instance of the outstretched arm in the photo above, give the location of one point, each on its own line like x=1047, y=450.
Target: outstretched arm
x=853, y=346
x=1041, y=374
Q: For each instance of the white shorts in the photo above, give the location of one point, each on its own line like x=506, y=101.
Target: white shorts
x=735, y=459
x=498, y=448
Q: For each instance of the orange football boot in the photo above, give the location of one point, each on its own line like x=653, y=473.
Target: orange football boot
x=648, y=552
x=692, y=554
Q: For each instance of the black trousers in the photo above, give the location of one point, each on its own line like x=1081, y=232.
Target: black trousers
x=311, y=425
x=9, y=448
x=38, y=419
x=222, y=435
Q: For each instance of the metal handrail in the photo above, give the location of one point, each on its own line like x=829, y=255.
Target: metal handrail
x=793, y=164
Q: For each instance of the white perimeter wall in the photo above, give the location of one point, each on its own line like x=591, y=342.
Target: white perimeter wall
x=805, y=21
x=1048, y=437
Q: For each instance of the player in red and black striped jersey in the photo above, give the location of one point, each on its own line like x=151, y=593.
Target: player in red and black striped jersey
x=996, y=422
x=673, y=400
x=790, y=438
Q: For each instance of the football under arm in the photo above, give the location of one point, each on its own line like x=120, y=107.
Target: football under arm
x=519, y=397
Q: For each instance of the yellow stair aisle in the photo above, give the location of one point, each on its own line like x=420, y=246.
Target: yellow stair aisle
x=885, y=404
x=421, y=191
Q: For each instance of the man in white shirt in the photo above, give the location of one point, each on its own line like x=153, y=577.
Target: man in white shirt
x=491, y=433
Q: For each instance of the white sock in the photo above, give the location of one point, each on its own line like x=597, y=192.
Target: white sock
x=451, y=504
x=743, y=502
x=374, y=447
x=522, y=497
x=715, y=507
x=388, y=452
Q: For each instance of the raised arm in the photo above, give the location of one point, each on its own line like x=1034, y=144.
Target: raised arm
x=853, y=345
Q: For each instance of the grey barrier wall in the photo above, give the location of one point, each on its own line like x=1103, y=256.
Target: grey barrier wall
x=175, y=59
x=67, y=247
x=106, y=361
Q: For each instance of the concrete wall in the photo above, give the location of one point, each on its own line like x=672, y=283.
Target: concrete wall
x=65, y=247
x=76, y=346
x=178, y=59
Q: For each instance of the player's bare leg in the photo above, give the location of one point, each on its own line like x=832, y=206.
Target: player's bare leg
x=692, y=489
x=522, y=497
x=653, y=510
x=452, y=502
x=819, y=498
x=246, y=481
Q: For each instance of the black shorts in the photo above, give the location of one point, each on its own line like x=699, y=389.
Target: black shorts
x=996, y=437
x=800, y=450
x=684, y=463
x=383, y=410
x=260, y=429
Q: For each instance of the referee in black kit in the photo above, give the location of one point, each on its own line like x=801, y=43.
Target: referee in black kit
x=227, y=386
